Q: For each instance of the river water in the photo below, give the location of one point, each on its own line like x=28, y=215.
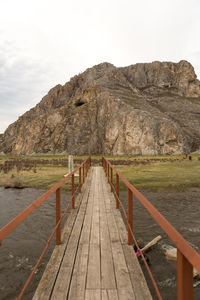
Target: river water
x=20, y=251
x=181, y=209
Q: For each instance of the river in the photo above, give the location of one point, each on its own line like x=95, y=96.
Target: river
x=20, y=251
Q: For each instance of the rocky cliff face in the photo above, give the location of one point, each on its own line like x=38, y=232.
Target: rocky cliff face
x=151, y=108
x=1, y=137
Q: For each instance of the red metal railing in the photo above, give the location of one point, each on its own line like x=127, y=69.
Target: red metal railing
x=187, y=257
x=13, y=224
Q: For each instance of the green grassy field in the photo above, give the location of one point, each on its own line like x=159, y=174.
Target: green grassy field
x=178, y=175
x=144, y=172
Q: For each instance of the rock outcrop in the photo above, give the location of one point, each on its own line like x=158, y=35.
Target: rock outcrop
x=150, y=108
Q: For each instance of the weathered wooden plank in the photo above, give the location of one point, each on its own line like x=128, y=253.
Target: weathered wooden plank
x=107, y=267
x=139, y=284
x=77, y=287
x=95, y=224
x=109, y=295
x=93, y=275
x=120, y=225
x=63, y=280
x=78, y=283
x=93, y=294
x=124, y=286
x=112, y=227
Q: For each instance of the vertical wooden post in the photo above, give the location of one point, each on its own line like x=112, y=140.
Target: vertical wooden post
x=117, y=190
x=108, y=173
x=79, y=180
x=111, y=180
x=184, y=278
x=130, y=216
x=73, y=201
x=106, y=169
x=58, y=234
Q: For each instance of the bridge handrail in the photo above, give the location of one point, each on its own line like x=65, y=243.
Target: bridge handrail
x=187, y=257
x=14, y=223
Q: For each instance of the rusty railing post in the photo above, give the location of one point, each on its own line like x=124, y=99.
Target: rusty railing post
x=130, y=217
x=58, y=234
x=80, y=180
x=111, y=179
x=73, y=200
x=184, y=278
x=86, y=167
x=108, y=173
x=83, y=173
x=89, y=162
x=117, y=190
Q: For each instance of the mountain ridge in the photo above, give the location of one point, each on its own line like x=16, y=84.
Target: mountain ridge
x=149, y=108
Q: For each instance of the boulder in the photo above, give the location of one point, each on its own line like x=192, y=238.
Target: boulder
x=171, y=254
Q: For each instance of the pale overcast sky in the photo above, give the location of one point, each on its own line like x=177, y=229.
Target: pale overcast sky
x=46, y=42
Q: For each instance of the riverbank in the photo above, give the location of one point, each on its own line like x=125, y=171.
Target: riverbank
x=144, y=172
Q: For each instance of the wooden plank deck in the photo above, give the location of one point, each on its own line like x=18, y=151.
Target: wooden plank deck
x=94, y=261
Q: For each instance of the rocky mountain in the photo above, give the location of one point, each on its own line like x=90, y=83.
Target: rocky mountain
x=147, y=108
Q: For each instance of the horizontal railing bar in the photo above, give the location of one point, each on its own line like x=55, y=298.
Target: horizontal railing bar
x=192, y=256
x=14, y=223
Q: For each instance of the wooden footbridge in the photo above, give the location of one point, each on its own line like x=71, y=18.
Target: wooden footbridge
x=94, y=257
x=94, y=260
